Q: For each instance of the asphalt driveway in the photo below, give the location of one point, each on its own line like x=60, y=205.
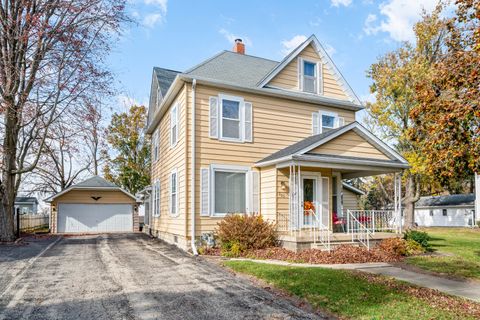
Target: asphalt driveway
x=126, y=277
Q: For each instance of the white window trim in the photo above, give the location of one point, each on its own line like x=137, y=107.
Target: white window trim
x=173, y=214
x=318, y=75
x=156, y=199
x=241, y=119
x=330, y=114
x=156, y=146
x=174, y=108
x=226, y=168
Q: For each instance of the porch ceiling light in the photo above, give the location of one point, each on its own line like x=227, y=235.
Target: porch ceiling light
x=283, y=186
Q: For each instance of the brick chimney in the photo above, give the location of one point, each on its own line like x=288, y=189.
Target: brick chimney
x=239, y=46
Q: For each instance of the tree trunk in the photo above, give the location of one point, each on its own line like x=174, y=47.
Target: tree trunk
x=8, y=189
x=412, y=194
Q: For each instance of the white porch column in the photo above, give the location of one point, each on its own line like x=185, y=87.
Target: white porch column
x=477, y=197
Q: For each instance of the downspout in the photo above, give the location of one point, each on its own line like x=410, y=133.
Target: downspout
x=192, y=171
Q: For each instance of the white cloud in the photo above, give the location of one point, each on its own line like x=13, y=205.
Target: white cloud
x=369, y=27
x=150, y=20
x=338, y=3
x=231, y=37
x=399, y=16
x=289, y=45
x=156, y=16
x=162, y=4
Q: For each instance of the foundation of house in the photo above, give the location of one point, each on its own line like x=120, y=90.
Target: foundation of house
x=298, y=243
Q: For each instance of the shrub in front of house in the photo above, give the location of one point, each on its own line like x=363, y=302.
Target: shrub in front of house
x=238, y=233
x=413, y=248
x=401, y=247
x=419, y=236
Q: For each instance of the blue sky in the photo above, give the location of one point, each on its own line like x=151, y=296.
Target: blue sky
x=179, y=34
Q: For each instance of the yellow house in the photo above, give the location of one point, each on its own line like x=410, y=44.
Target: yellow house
x=243, y=134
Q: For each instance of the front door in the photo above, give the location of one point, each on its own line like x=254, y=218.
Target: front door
x=310, y=200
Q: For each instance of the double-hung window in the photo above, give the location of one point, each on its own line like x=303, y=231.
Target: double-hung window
x=174, y=125
x=229, y=189
x=310, y=76
x=231, y=118
x=323, y=121
x=173, y=193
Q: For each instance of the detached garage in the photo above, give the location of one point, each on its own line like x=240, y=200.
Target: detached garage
x=93, y=206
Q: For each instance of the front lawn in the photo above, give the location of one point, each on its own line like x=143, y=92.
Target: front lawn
x=353, y=295
x=457, y=252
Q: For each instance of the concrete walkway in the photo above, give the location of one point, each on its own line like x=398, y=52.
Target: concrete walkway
x=464, y=289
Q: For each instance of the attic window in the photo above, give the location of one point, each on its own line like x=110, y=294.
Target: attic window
x=310, y=76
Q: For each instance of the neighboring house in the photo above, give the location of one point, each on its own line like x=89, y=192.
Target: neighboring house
x=350, y=197
x=27, y=205
x=244, y=134
x=93, y=206
x=456, y=210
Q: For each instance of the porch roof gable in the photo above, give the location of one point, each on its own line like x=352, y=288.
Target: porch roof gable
x=300, y=149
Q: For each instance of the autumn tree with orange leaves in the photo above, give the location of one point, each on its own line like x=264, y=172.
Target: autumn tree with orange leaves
x=447, y=117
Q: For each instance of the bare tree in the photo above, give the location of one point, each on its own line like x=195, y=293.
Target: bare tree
x=51, y=59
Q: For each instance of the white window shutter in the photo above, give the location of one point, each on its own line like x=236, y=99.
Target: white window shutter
x=204, y=192
x=170, y=203
x=177, y=120
x=248, y=122
x=255, y=207
x=339, y=122
x=300, y=73
x=214, y=117
x=315, y=123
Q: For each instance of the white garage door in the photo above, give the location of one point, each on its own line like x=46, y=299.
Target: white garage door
x=73, y=218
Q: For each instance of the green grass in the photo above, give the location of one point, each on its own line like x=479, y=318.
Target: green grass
x=461, y=249
x=342, y=293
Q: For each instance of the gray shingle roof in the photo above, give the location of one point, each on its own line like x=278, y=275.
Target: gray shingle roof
x=165, y=78
x=448, y=200
x=296, y=147
x=26, y=199
x=239, y=69
x=95, y=182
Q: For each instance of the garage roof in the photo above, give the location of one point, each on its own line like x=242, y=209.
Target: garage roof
x=93, y=183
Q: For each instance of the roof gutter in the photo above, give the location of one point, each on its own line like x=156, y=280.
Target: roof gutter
x=192, y=171
x=180, y=78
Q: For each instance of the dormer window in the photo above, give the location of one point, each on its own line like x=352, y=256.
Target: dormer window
x=310, y=76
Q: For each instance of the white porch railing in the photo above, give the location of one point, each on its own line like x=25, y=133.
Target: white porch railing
x=374, y=220
x=359, y=231
x=322, y=232
x=310, y=226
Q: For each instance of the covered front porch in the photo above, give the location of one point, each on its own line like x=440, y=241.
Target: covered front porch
x=312, y=210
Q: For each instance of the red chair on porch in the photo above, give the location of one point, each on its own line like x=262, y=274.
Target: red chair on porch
x=341, y=222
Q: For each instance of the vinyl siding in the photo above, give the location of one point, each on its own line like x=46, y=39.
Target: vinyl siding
x=268, y=196
x=85, y=196
x=350, y=144
x=350, y=200
x=288, y=78
x=171, y=158
x=277, y=123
